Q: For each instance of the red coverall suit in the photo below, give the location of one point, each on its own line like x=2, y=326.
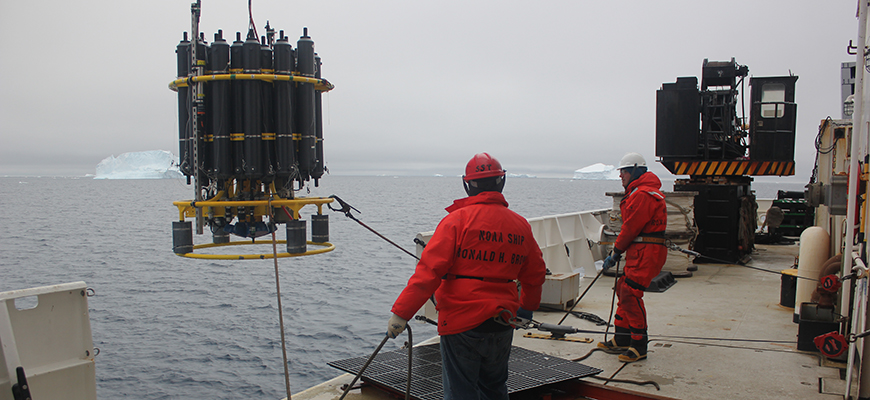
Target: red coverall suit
x=643, y=212
x=479, y=238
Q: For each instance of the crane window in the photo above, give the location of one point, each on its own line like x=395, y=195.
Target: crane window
x=772, y=100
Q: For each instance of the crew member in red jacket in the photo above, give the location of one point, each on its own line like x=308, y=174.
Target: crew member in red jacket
x=472, y=264
x=641, y=238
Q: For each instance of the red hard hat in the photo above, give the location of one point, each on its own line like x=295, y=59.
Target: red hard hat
x=482, y=165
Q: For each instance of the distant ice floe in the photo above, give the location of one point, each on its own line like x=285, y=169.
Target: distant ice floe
x=597, y=171
x=153, y=164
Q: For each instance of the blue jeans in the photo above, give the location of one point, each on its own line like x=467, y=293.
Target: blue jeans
x=474, y=365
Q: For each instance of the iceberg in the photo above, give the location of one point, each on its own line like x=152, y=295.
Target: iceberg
x=597, y=171
x=153, y=164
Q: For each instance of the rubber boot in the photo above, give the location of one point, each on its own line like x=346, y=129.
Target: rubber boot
x=619, y=343
x=637, y=349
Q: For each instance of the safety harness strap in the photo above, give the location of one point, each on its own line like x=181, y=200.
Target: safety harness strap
x=650, y=238
x=634, y=285
x=491, y=280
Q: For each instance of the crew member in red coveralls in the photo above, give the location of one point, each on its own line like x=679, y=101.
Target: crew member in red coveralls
x=477, y=254
x=641, y=238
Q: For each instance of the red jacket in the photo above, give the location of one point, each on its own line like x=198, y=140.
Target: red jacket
x=643, y=211
x=481, y=238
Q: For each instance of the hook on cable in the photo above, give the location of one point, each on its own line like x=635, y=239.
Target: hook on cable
x=345, y=208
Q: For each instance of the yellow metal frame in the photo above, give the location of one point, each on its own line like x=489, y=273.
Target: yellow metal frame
x=319, y=84
x=327, y=247
x=216, y=207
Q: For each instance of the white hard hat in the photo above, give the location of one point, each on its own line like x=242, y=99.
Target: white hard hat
x=632, y=160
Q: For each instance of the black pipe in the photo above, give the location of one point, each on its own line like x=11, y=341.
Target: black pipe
x=268, y=128
x=237, y=136
x=285, y=149
x=317, y=170
x=305, y=115
x=219, y=111
x=182, y=52
x=252, y=108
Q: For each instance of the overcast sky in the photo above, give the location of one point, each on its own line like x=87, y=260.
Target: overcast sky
x=547, y=87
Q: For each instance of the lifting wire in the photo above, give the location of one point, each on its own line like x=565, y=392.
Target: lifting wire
x=346, y=208
x=280, y=308
x=410, y=346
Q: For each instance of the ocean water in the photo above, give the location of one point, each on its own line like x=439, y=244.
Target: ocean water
x=170, y=327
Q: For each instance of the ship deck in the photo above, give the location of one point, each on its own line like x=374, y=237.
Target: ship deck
x=730, y=303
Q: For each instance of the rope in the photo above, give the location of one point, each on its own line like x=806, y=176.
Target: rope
x=673, y=246
x=612, y=302
x=251, y=24
x=690, y=223
x=280, y=308
x=594, y=332
x=639, y=383
x=819, y=149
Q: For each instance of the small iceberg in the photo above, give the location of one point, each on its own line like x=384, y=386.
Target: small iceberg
x=597, y=171
x=153, y=164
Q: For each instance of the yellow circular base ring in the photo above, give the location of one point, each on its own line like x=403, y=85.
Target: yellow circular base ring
x=325, y=247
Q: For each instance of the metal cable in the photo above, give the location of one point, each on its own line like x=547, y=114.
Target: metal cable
x=581, y=296
x=280, y=308
x=346, y=209
x=671, y=245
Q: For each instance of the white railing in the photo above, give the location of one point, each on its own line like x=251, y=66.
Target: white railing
x=46, y=331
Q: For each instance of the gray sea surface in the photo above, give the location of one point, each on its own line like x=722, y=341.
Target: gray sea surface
x=170, y=327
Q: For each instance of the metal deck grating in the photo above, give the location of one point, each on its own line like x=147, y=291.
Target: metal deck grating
x=526, y=370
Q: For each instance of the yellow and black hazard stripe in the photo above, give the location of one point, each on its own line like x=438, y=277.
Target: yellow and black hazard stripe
x=730, y=168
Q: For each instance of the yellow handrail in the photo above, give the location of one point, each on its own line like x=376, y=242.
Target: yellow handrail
x=319, y=84
x=327, y=247
x=293, y=204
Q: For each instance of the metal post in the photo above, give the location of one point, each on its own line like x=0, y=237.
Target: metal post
x=198, y=106
x=858, y=121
